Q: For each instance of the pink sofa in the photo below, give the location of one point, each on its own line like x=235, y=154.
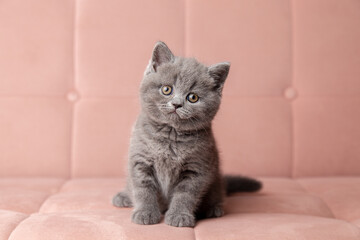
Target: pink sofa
x=69, y=77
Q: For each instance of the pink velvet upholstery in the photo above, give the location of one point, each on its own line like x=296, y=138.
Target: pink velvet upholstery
x=69, y=77
x=284, y=209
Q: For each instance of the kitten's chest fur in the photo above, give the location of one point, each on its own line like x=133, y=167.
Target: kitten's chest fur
x=171, y=154
x=167, y=171
x=168, y=159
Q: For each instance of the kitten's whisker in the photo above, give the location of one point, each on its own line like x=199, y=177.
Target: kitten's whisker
x=186, y=111
x=162, y=105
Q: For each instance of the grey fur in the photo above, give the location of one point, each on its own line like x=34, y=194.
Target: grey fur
x=173, y=160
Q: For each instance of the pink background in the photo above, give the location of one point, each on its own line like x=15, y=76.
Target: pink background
x=69, y=77
x=70, y=73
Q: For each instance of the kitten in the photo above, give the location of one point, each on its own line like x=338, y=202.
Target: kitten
x=173, y=160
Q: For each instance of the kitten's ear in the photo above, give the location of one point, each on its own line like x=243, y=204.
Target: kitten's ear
x=161, y=54
x=219, y=73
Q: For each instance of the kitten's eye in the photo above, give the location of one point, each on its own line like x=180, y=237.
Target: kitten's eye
x=166, y=90
x=192, y=97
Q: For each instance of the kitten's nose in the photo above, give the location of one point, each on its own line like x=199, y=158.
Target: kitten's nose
x=177, y=105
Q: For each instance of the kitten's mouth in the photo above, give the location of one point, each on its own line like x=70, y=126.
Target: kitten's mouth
x=174, y=112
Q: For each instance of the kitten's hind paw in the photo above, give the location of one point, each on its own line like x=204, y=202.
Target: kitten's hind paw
x=122, y=200
x=146, y=217
x=214, y=212
x=180, y=220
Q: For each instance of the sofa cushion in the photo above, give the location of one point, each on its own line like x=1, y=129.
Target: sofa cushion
x=35, y=134
x=341, y=194
x=81, y=209
x=357, y=222
x=26, y=195
x=84, y=195
x=285, y=203
x=8, y=221
x=326, y=131
x=275, y=226
x=94, y=225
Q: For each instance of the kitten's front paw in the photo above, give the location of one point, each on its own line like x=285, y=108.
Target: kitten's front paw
x=146, y=217
x=180, y=220
x=121, y=200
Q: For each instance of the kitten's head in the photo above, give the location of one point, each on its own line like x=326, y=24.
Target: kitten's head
x=181, y=92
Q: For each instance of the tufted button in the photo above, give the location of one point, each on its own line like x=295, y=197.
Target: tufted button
x=290, y=93
x=72, y=96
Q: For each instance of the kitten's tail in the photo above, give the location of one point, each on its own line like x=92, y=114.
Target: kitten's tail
x=241, y=184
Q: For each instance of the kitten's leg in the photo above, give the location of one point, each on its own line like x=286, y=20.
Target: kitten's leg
x=145, y=195
x=122, y=199
x=212, y=203
x=185, y=199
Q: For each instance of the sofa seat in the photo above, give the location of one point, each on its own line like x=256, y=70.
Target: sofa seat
x=306, y=208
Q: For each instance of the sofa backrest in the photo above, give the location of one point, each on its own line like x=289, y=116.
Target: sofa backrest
x=70, y=72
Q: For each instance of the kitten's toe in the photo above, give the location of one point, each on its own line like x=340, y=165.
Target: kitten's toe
x=215, y=211
x=180, y=220
x=146, y=217
x=121, y=200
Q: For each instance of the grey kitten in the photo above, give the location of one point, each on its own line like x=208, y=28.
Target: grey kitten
x=173, y=160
